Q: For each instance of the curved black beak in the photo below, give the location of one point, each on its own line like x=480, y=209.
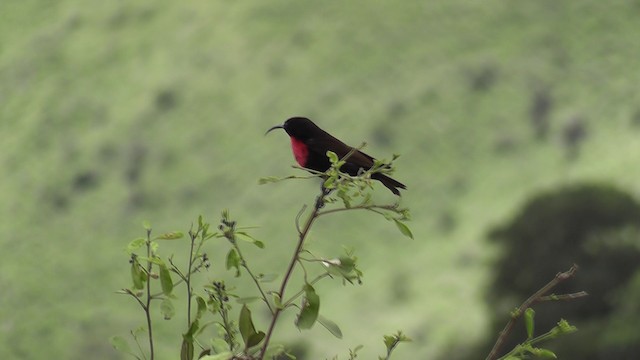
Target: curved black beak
x=273, y=128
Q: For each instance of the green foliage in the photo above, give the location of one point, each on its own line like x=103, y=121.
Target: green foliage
x=529, y=315
x=392, y=341
x=528, y=348
x=250, y=336
x=214, y=305
x=310, y=307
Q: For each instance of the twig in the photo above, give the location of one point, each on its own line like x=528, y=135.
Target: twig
x=147, y=307
x=536, y=297
x=563, y=297
x=370, y=207
x=296, y=295
x=304, y=207
x=133, y=295
x=182, y=277
x=243, y=263
x=193, y=237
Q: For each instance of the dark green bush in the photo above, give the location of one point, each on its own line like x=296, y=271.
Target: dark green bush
x=594, y=226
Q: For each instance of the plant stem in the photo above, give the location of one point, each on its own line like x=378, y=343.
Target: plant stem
x=243, y=263
x=188, y=277
x=295, y=296
x=370, y=207
x=536, y=297
x=147, y=307
x=294, y=259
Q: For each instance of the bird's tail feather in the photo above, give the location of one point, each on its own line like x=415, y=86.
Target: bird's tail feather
x=390, y=183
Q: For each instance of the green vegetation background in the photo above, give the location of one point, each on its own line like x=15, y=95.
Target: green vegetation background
x=113, y=112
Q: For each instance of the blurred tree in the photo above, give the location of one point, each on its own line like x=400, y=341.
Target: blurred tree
x=594, y=226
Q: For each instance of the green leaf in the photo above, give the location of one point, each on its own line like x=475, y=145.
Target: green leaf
x=193, y=328
x=219, y=346
x=165, y=280
x=268, y=179
x=529, y=315
x=255, y=339
x=331, y=326
x=391, y=341
x=120, y=344
x=311, y=305
x=146, y=225
x=404, y=229
x=233, y=261
x=154, y=247
x=267, y=278
x=202, y=306
x=545, y=354
x=248, y=238
x=153, y=259
x=247, y=330
x=333, y=158
x=277, y=301
x=343, y=267
x=222, y=356
x=565, y=327
x=247, y=300
x=186, y=350
x=328, y=184
x=138, y=331
x=137, y=275
x=246, y=324
x=167, y=309
x=346, y=199
x=174, y=235
x=135, y=245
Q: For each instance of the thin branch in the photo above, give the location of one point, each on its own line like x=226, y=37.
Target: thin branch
x=243, y=263
x=129, y=292
x=536, y=297
x=193, y=237
x=147, y=307
x=564, y=297
x=370, y=207
x=139, y=347
x=182, y=277
x=296, y=295
x=304, y=207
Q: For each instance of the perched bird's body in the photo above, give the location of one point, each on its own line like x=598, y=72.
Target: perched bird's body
x=310, y=144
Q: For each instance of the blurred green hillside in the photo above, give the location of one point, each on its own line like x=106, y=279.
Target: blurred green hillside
x=116, y=112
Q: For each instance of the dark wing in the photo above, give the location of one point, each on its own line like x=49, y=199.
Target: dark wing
x=358, y=159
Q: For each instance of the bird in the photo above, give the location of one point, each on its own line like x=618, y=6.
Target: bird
x=310, y=145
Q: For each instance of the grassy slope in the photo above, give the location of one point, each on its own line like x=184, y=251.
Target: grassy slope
x=164, y=107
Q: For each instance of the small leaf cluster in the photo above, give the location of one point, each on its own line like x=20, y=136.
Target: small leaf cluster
x=528, y=348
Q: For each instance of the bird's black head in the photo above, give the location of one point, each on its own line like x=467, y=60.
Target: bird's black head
x=300, y=128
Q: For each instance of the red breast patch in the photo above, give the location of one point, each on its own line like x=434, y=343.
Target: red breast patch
x=300, y=151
